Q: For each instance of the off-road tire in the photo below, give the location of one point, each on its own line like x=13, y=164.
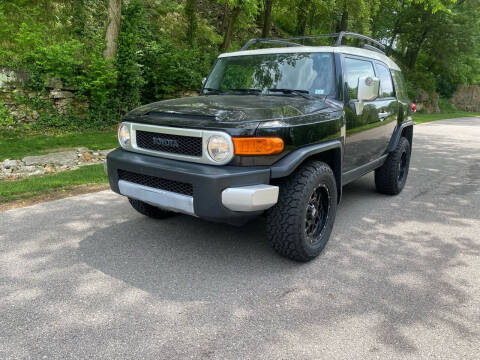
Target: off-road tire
x=389, y=178
x=286, y=221
x=149, y=210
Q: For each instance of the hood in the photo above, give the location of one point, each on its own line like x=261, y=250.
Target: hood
x=224, y=110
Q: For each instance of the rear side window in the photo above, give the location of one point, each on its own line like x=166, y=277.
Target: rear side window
x=400, y=86
x=354, y=69
x=386, y=85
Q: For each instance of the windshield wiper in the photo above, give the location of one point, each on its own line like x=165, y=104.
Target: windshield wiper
x=212, y=90
x=246, y=90
x=302, y=93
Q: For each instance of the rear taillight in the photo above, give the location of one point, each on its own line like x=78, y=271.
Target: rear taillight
x=414, y=107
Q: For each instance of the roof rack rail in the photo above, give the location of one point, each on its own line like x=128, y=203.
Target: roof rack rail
x=271, y=41
x=370, y=43
x=373, y=48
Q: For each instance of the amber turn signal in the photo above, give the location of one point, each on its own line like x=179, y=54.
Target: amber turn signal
x=257, y=145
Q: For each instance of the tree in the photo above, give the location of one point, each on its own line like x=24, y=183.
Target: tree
x=232, y=11
x=191, y=14
x=113, y=28
x=231, y=17
x=342, y=24
x=267, y=18
x=302, y=11
x=436, y=42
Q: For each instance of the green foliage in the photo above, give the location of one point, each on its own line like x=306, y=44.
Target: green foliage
x=5, y=118
x=166, y=47
x=436, y=42
x=192, y=26
x=97, y=85
x=181, y=69
x=62, y=61
x=130, y=54
x=152, y=67
x=446, y=106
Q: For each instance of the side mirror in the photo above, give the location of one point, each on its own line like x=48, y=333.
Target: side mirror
x=368, y=88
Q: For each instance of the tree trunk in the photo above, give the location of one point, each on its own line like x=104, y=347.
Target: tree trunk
x=113, y=28
x=191, y=14
x=267, y=18
x=226, y=10
x=343, y=24
x=302, y=17
x=312, y=13
x=412, y=52
x=396, y=30
x=232, y=19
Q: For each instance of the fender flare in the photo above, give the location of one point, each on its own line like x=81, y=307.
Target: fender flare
x=397, y=134
x=294, y=159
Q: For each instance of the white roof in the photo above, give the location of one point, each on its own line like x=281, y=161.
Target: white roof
x=316, y=49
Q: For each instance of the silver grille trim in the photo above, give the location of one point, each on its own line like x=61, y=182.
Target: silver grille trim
x=203, y=134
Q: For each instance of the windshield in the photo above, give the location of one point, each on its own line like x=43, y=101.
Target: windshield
x=273, y=74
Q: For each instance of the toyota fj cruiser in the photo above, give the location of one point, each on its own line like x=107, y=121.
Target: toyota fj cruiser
x=276, y=131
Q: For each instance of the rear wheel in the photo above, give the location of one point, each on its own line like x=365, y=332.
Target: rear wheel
x=300, y=224
x=391, y=177
x=149, y=210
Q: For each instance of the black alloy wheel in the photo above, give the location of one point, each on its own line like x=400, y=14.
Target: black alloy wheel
x=317, y=213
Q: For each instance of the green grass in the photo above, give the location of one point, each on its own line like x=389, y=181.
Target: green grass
x=17, y=146
x=420, y=118
x=41, y=184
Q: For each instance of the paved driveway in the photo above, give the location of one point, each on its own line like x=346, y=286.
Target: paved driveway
x=87, y=277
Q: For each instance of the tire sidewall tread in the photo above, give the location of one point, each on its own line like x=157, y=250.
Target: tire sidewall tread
x=386, y=176
x=286, y=220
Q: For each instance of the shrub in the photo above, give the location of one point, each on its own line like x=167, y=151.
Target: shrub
x=169, y=69
x=62, y=61
x=130, y=54
x=5, y=118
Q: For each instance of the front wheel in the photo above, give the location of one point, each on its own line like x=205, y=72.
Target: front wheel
x=300, y=224
x=391, y=177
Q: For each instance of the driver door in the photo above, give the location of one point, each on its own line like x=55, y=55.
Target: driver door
x=361, y=143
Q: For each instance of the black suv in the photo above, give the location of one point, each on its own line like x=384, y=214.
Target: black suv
x=276, y=131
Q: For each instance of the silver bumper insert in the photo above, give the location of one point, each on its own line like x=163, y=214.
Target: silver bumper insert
x=250, y=198
x=164, y=199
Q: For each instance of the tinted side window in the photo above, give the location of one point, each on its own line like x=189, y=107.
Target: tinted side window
x=400, y=86
x=355, y=69
x=386, y=85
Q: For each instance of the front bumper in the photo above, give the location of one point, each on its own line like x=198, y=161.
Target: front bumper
x=229, y=194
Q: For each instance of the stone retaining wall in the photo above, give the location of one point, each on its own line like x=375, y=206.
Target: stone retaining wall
x=50, y=163
x=467, y=98
x=12, y=88
x=426, y=102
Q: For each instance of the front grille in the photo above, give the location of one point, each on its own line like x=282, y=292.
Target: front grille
x=174, y=144
x=156, y=182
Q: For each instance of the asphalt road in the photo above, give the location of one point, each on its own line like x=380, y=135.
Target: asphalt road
x=88, y=277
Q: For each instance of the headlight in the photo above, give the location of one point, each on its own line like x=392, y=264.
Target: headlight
x=124, y=135
x=219, y=148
